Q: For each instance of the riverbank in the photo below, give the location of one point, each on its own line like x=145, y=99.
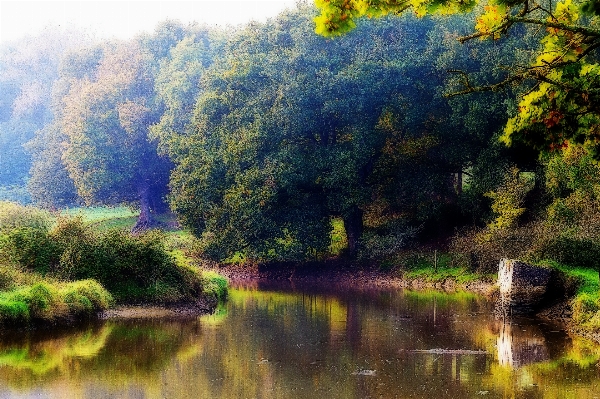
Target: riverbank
x=341, y=274
x=577, y=315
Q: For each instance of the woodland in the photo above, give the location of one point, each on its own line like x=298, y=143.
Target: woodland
x=461, y=126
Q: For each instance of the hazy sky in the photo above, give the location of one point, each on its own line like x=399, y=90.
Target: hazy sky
x=124, y=19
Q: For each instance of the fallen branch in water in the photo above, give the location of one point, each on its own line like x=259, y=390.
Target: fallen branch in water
x=439, y=351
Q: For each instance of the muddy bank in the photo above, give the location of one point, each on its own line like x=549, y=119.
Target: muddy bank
x=160, y=311
x=352, y=277
x=342, y=275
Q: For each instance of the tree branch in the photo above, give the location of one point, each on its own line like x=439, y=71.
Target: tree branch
x=556, y=25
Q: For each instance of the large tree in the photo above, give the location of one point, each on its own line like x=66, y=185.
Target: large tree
x=561, y=101
x=105, y=104
x=292, y=129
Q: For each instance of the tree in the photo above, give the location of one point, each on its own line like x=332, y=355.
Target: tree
x=28, y=69
x=106, y=121
x=560, y=106
x=105, y=104
x=291, y=129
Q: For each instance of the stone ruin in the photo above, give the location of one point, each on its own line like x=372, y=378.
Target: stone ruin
x=523, y=287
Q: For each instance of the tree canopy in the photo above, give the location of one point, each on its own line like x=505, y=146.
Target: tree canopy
x=560, y=104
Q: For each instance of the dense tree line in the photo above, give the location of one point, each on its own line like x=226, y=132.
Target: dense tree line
x=257, y=137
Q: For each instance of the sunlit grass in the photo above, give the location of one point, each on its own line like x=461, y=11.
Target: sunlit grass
x=101, y=213
x=439, y=267
x=105, y=217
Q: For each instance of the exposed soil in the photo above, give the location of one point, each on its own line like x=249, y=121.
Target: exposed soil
x=342, y=275
x=173, y=311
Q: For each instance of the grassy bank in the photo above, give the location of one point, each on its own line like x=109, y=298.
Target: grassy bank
x=61, y=268
x=585, y=304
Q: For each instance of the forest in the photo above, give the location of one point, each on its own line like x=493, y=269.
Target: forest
x=398, y=134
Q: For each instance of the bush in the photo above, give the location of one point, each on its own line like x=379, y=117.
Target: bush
x=570, y=251
x=134, y=268
x=52, y=301
x=214, y=285
x=484, y=248
x=15, y=216
x=24, y=236
x=585, y=306
x=31, y=248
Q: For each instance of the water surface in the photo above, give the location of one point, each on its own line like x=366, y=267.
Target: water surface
x=303, y=342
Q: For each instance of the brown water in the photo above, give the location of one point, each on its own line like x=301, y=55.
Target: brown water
x=285, y=342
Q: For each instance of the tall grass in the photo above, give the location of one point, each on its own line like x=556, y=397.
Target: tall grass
x=586, y=303
x=52, y=301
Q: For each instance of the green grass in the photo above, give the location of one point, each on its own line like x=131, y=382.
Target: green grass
x=586, y=303
x=105, y=217
x=101, y=213
x=50, y=300
x=438, y=268
x=588, y=278
x=441, y=274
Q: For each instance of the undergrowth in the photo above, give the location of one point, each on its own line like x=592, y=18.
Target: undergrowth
x=65, y=267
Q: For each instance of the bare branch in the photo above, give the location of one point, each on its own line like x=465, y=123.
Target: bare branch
x=556, y=25
x=493, y=87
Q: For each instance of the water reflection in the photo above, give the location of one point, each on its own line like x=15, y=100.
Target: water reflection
x=293, y=342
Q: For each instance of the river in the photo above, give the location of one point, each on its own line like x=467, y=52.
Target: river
x=284, y=341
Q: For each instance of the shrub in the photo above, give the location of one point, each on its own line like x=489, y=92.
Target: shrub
x=14, y=216
x=88, y=293
x=484, y=249
x=30, y=248
x=134, y=268
x=24, y=236
x=13, y=312
x=585, y=306
x=51, y=301
x=214, y=285
x=571, y=251
x=508, y=199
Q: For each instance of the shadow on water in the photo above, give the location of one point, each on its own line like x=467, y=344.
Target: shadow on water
x=277, y=340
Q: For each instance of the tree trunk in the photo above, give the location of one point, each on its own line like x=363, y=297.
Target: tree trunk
x=145, y=220
x=353, y=223
x=459, y=182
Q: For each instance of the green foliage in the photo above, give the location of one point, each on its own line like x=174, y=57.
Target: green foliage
x=291, y=130
x=561, y=84
x=214, y=285
x=24, y=236
x=573, y=181
x=571, y=251
x=339, y=240
x=16, y=216
x=133, y=268
x=52, y=301
x=508, y=199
